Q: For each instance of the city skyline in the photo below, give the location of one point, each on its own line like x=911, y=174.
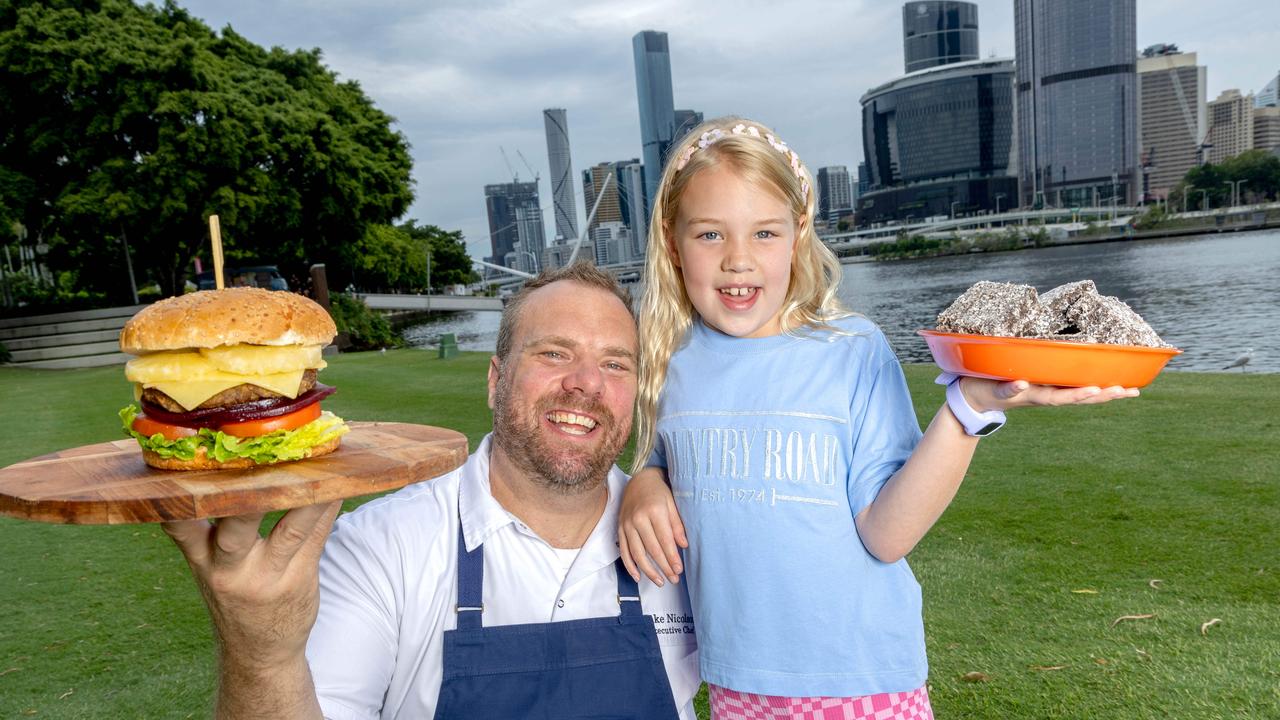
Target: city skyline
x=463, y=81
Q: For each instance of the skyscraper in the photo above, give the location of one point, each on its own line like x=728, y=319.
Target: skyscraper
x=1269, y=96
x=1266, y=129
x=612, y=242
x=657, y=106
x=1171, y=111
x=938, y=33
x=593, y=184
x=566, y=208
x=629, y=175
x=1077, y=101
x=835, y=194
x=515, y=216
x=623, y=201
x=938, y=141
x=685, y=120
x=1230, y=125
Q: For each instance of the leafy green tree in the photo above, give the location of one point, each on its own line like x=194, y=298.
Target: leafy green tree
x=1259, y=169
x=388, y=258
x=120, y=121
x=450, y=263
x=395, y=258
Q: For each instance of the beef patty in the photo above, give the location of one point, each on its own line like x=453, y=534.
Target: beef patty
x=231, y=396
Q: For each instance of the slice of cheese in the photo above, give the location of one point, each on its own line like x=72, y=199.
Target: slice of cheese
x=191, y=377
x=191, y=394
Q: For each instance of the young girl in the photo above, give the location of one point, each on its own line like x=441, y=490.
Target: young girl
x=799, y=478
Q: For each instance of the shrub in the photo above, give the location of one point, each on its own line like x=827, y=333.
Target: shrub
x=367, y=328
x=4, y=354
x=35, y=296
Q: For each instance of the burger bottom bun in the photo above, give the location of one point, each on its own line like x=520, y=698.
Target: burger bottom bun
x=203, y=462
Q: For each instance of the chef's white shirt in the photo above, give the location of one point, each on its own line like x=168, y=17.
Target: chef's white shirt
x=389, y=583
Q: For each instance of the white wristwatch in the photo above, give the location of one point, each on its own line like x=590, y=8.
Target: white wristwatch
x=977, y=424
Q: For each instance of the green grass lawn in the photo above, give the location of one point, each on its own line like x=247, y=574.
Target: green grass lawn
x=1067, y=518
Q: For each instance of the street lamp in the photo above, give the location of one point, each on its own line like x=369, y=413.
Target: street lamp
x=1235, y=190
x=999, y=197
x=953, y=209
x=1204, y=201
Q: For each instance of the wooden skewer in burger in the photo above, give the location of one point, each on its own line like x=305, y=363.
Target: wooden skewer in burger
x=227, y=379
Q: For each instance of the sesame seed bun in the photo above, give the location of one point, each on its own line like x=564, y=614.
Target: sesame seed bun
x=234, y=316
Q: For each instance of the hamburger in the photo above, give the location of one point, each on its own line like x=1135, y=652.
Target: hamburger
x=227, y=379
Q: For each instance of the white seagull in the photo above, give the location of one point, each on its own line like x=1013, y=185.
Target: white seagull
x=1241, y=361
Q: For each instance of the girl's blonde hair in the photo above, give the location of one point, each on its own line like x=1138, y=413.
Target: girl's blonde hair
x=665, y=310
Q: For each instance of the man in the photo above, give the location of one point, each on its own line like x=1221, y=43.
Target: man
x=491, y=592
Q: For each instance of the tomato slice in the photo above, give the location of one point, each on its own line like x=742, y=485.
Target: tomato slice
x=148, y=426
x=289, y=421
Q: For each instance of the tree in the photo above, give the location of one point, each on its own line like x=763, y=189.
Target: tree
x=450, y=263
x=1259, y=169
x=395, y=258
x=387, y=258
x=124, y=121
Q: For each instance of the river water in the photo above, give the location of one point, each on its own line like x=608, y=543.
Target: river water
x=1213, y=296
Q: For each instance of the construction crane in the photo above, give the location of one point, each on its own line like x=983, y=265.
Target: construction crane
x=536, y=176
x=515, y=177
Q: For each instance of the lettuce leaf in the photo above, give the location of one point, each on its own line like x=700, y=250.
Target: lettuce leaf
x=279, y=446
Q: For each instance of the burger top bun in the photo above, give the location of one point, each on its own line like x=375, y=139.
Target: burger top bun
x=213, y=318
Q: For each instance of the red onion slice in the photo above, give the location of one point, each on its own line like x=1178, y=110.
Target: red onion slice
x=255, y=410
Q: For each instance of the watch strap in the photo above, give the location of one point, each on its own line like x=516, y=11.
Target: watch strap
x=977, y=424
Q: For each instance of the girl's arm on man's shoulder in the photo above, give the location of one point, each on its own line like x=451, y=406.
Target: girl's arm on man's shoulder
x=649, y=528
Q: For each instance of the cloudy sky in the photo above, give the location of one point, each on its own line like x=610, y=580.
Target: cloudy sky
x=465, y=77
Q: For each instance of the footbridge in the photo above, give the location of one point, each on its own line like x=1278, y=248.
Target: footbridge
x=439, y=303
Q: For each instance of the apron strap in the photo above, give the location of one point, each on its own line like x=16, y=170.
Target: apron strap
x=628, y=591
x=470, y=584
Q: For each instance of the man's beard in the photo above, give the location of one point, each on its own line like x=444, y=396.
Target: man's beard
x=557, y=468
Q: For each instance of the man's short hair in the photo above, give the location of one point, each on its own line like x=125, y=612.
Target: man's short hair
x=583, y=272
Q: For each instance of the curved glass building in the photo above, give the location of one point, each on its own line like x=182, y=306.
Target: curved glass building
x=940, y=142
x=938, y=32
x=566, y=205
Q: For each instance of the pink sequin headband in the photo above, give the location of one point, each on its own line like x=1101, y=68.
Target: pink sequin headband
x=711, y=136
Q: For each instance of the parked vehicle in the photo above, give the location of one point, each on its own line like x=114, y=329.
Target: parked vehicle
x=261, y=276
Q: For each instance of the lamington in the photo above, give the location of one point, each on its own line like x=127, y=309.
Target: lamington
x=1000, y=309
x=1074, y=312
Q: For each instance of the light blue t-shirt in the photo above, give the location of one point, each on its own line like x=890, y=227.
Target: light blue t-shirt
x=772, y=446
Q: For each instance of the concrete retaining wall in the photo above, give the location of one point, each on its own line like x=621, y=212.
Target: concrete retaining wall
x=87, y=338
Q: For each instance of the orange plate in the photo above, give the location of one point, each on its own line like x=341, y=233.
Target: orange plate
x=1047, y=362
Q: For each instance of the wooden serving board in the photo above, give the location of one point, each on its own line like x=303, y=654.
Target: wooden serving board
x=109, y=484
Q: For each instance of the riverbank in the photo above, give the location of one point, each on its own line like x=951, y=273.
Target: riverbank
x=1065, y=521
x=1154, y=225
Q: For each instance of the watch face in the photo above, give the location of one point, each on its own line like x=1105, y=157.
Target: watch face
x=988, y=429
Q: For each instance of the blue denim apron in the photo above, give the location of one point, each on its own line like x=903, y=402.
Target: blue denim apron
x=607, y=668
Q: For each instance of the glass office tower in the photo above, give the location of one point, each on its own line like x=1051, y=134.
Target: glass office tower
x=939, y=33
x=506, y=227
x=939, y=143
x=566, y=207
x=1077, y=102
x=657, y=106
